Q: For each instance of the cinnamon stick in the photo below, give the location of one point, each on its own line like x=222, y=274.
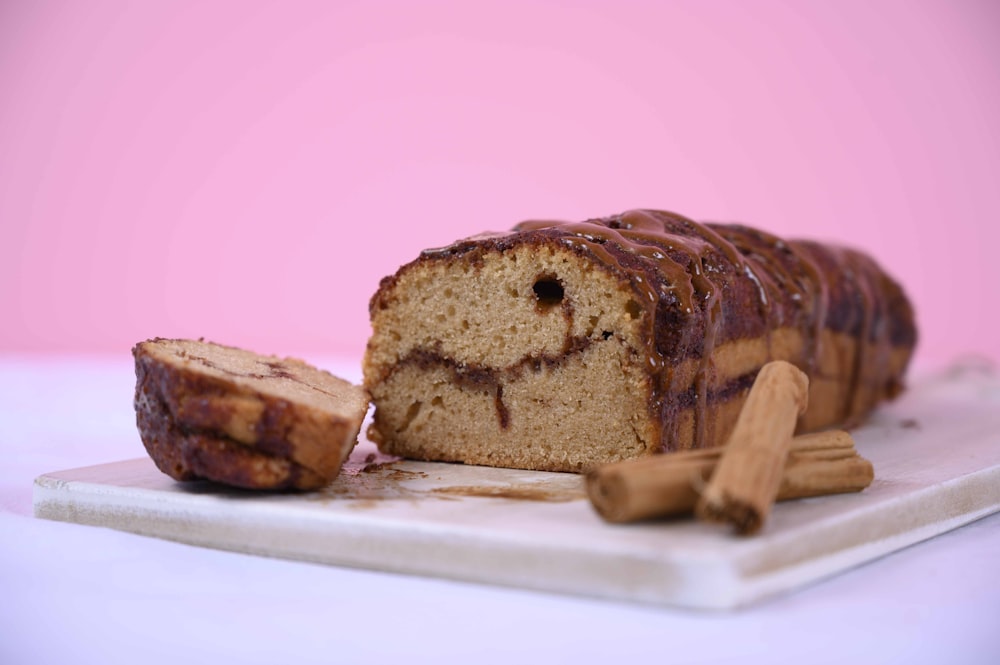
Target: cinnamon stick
x=670, y=484
x=746, y=480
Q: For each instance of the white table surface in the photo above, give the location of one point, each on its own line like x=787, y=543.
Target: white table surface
x=76, y=594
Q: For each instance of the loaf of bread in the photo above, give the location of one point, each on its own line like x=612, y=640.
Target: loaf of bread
x=562, y=346
x=207, y=411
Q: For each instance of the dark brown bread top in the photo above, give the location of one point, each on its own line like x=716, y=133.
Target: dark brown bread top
x=701, y=285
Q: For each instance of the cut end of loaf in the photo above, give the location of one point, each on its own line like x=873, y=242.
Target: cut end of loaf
x=527, y=358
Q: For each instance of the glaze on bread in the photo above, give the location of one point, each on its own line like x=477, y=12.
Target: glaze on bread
x=210, y=411
x=562, y=346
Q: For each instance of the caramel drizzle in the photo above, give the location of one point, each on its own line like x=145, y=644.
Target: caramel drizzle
x=681, y=269
x=871, y=362
x=854, y=400
x=660, y=239
x=685, y=265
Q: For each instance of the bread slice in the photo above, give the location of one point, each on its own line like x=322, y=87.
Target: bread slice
x=216, y=412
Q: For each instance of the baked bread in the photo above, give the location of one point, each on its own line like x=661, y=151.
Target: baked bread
x=259, y=422
x=562, y=346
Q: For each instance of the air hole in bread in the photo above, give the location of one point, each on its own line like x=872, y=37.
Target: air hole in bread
x=411, y=414
x=548, y=292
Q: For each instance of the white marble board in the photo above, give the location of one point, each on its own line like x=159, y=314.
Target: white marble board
x=936, y=453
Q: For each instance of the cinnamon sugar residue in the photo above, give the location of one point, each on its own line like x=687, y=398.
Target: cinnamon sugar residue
x=519, y=492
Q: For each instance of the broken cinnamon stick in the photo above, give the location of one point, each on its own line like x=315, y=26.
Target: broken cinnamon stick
x=746, y=480
x=669, y=485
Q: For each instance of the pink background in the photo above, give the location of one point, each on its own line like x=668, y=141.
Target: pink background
x=247, y=171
